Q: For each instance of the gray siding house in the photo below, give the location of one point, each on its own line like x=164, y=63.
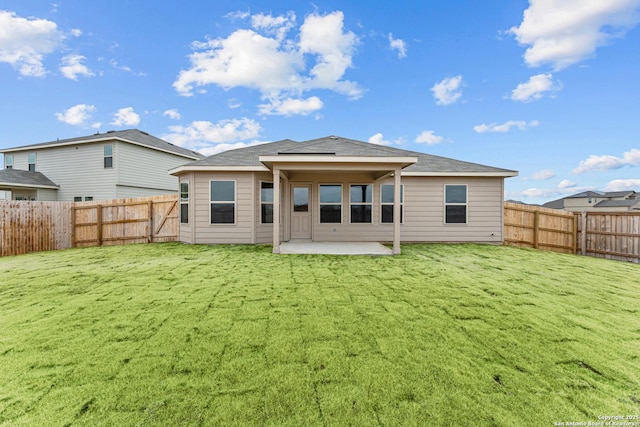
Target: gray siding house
x=116, y=164
x=338, y=189
x=598, y=201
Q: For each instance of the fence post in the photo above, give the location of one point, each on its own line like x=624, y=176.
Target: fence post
x=99, y=224
x=583, y=236
x=150, y=205
x=536, y=226
x=575, y=234
x=73, y=226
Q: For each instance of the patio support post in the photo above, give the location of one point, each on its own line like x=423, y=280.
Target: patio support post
x=276, y=211
x=396, y=211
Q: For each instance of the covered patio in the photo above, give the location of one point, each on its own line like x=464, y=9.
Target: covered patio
x=334, y=248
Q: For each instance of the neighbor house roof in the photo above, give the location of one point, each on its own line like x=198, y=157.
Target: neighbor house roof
x=249, y=157
x=601, y=194
x=617, y=203
x=26, y=179
x=133, y=136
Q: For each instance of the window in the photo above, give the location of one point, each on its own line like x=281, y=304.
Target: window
x=88, y=198
x=331, y=203
x=266, y=202
x=108, y=156
x=386, y=203
x=361, y=203
x=455, y=204
x=223, y=202
x=32, y=162
x=8, y=161
x=77, y=199
x=184, y=202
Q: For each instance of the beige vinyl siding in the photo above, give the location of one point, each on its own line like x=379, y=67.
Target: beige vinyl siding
x=240, y=232
x=145, y=169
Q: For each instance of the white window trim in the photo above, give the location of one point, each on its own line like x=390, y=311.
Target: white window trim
x=235, y=203
x=351, y=203
x=265, y=203
x=445, y=204
x=186, y=201
x=334, y=204
x=391, y=204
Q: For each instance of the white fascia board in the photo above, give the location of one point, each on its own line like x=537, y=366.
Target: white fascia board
x=187, y=168
x=10, y=184
x=506, y=174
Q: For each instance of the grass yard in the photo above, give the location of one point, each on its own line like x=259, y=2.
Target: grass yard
x=172, y=334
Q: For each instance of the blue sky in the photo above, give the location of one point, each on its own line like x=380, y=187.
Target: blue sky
x=546, y=87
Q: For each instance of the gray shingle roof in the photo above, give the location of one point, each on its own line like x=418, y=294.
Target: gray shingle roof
x=601, y=194
x=617, y=203
x=15, y=177
x=131, y=135
x=332, y=145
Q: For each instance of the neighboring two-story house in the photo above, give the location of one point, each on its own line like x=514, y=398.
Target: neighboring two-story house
x=112, y=165
x=598, y=201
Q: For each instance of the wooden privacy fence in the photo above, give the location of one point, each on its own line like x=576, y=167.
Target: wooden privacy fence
x=34, y=226
x=144, y=220
x=613, y=235
x=41, y=226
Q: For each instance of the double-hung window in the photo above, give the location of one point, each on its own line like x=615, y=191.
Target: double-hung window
x=32, y=162
x=8, y=161
x=266, y=202
x=455, y=204
x=330, y=203
x=386, y=203
x=361, y=203
x=108, y=156
x=184, y=202
x=223, y=202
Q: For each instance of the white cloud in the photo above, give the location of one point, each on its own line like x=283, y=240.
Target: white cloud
x=544, y=175
x=290, y=107
x=399, y=45
x=535, y=88
x=378, y=139
x=125, y=117
x=210, y=138
x=77, y=115
x=565, y=183
x=25, y=42
x=172, y=114
x=623, y=185
x=76, y=32
x=506, y=126
x=608, y=162
x=564, y=32
x=71, y=67
x=126, y=68
x=264, y=59
x=429, y=137
x=448, y=90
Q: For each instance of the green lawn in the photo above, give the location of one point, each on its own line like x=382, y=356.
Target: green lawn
x=172, y=334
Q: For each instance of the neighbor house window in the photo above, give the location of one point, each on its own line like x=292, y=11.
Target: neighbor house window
x=223, y=202
x=88, y=198
x=8, y=161
x=386, y=203
x=360, y=198
x=32, y=162
x=184, y=202
x=77, y=199
x=108, y=156
x=330, y=203
x=455, y=204
x=266, y=202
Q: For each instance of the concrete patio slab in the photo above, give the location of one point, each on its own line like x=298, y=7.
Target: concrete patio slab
x=335, y=248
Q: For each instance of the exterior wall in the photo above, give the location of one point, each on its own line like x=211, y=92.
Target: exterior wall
x=243, y=230
x=77, y=169
x=185, y=231
x=150, y=176
x=424, y=210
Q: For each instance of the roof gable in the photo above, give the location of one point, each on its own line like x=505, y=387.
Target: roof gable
x=133, y=136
